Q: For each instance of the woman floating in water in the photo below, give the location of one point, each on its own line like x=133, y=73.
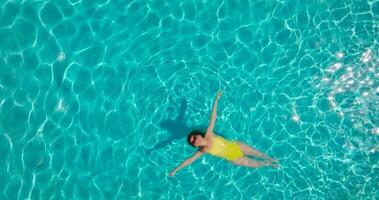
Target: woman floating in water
x=235, y=152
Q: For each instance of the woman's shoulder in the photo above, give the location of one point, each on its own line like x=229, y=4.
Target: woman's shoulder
x=210, y=143
x=213, y=136
x=204, y=149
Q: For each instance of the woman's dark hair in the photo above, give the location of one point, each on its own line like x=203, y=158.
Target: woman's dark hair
x=194, y=132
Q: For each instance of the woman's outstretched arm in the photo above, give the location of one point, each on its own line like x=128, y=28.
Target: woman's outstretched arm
x=213, y=116
x=187, y=162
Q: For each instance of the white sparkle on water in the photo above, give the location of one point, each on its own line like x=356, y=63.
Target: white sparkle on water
x=354, y=82
x=366, y=56
x=61, y=56
x=61, y=106
x=295, y=118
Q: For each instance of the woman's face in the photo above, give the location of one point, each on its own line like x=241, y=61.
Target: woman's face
x=196, y=140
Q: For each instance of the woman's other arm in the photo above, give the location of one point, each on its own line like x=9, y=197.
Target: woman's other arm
x=187, y=162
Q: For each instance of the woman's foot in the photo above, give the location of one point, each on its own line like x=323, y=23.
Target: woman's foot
x=268, y=164
x=274, y=165
x=271, y=159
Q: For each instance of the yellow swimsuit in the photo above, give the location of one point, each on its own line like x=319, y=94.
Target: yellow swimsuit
x=225, y=149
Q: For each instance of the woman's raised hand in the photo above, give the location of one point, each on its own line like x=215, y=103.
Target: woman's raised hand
x=219, y=93
x=172, y=173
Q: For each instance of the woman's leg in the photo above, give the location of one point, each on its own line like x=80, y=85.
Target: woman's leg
x=247, y=150
x=245, y=161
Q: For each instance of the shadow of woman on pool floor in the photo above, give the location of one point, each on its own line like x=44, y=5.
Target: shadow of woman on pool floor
x=177, y=127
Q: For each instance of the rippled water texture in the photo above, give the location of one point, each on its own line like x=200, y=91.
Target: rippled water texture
x=97, y=97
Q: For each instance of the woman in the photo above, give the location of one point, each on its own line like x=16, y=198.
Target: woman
x=235, y=152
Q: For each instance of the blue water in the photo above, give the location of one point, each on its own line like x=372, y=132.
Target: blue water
x=97, y=98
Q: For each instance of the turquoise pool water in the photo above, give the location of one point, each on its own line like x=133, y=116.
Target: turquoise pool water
x=97, y=97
